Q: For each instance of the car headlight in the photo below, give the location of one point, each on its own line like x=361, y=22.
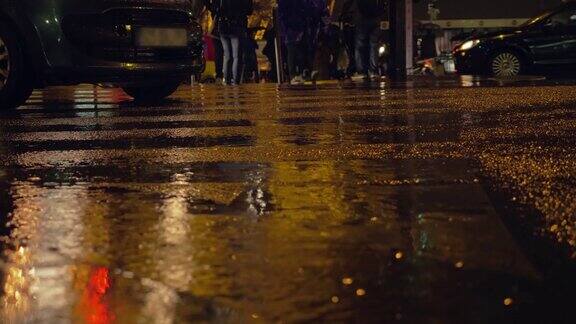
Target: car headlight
x=469, y=44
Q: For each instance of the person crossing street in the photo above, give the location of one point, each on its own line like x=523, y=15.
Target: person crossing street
x=300, y=23
x=368, y=15
x=232, y=24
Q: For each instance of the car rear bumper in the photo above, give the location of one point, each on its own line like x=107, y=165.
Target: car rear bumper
x=124, y=73
x=111, y=35
x=94, y=42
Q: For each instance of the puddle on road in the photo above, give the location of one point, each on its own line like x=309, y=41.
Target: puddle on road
x=236, y=242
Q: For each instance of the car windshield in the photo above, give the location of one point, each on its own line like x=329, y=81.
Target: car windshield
x=546, y=15
x=537, y=19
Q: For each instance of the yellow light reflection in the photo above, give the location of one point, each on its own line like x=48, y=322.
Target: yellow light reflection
x=17, y=299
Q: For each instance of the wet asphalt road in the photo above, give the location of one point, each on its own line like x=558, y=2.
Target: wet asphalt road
x=336, y=203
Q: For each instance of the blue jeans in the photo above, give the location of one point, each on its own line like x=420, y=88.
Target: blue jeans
x=231, y=49
x=367, y=43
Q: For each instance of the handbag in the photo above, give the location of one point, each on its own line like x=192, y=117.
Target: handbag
x=224, y=25
x=223, y=22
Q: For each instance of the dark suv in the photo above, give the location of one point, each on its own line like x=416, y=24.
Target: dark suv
x=547, y=41
x=147, y=47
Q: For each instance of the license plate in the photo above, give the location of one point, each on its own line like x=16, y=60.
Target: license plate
x=161, y=37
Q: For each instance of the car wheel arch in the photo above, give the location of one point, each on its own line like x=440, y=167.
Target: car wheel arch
x=27, y=51
x=516, y=49
x=17, y=85
x=523, y=55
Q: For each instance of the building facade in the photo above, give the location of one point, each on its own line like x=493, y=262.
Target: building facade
x=485, y=9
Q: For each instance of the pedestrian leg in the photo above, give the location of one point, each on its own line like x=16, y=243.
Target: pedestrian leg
x=360, y=53
x=349, y=39
x=308, y=56
x=374, y=48
x=227, y=49
x=219, y=59
x=292, y=54
x=235, y=42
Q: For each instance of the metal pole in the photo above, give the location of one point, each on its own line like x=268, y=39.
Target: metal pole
x=278, y=48
x=398, y=40
x=409, y=36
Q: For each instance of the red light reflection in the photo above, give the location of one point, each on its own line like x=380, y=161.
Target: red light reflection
x=94, y=305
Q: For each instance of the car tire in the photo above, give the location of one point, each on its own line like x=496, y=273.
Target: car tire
x=15, y=86
x=151, y=94
x=506, y=64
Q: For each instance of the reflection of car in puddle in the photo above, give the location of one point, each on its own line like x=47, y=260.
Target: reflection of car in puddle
x=477, y=81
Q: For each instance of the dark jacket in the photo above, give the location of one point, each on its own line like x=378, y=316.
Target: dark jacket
x=231, y=16
x=197, y=7
x=352, y=12
x=300, y=17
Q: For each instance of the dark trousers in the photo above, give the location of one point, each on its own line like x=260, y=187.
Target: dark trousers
x=367, y=43
x=250, y=60
x=349, y=36
x=219, y=59
x=300, y=57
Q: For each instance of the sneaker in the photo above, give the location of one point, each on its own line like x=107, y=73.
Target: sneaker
x=360, y=77
x=314, y=76
x=297, y=80
x=374, y=77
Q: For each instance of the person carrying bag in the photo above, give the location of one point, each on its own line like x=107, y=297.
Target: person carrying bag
x=232, y=24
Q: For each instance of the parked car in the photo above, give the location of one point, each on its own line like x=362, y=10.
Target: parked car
x=548, y=40
x=147, y=47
